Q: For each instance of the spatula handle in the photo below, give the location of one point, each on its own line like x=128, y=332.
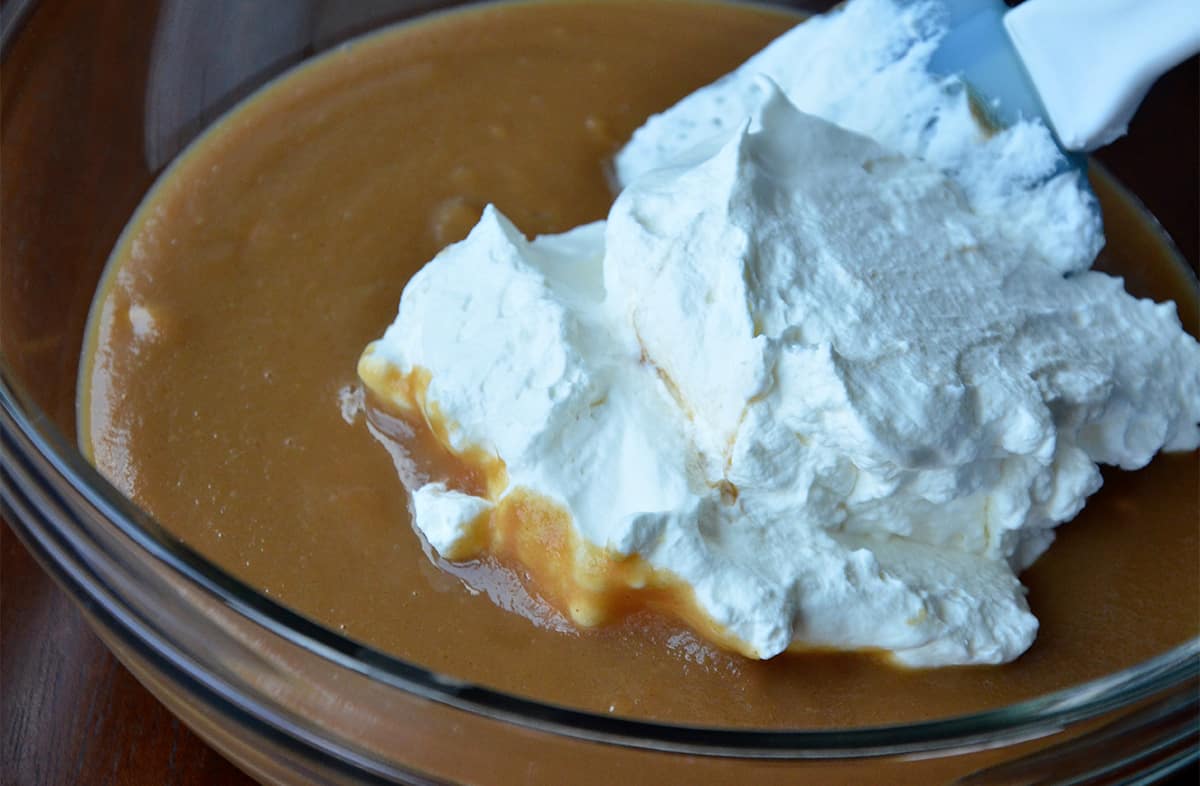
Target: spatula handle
x=1092, y=61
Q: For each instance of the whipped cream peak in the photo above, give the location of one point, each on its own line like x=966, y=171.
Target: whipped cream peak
x=831, y=391
x=865, y=67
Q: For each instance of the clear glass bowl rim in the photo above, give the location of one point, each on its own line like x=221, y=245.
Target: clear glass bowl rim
x=25, y=428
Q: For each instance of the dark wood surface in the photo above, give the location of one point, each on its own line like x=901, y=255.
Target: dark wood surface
x=72, y=715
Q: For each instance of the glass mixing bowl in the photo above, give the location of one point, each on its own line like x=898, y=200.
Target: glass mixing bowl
x=97, y=98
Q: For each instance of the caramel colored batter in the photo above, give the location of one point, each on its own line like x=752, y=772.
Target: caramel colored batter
x=526, y=534
x=220, y=366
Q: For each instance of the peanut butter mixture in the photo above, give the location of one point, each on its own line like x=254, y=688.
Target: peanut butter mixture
x=219, y=386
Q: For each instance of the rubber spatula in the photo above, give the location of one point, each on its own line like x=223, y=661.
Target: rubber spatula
x=1083, y=66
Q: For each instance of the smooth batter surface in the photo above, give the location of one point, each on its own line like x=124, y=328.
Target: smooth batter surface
x=226, y=334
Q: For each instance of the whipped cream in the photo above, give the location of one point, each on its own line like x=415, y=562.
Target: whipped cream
x=865, y=67
x=841, y=390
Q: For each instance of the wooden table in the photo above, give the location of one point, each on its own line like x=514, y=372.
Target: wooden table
x=73, y=715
